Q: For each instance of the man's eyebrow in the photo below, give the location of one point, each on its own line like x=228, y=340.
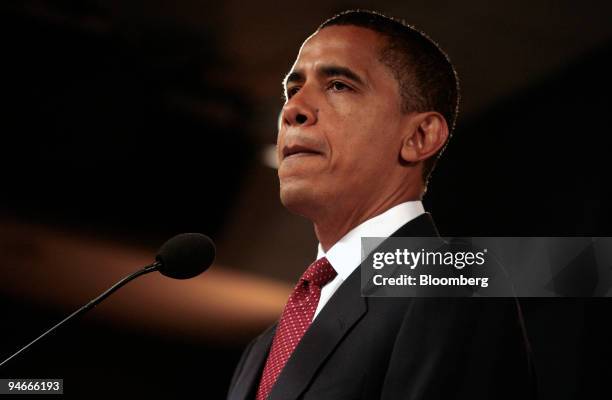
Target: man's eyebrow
x=331, y=71
x=294, y=77
x=328, y=71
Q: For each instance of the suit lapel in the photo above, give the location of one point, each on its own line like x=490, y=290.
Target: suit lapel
x=248, y=380
x=343, y=310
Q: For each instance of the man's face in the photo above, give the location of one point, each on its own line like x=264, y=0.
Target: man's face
x=339, y=138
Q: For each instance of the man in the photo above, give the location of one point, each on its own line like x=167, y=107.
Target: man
x=370, y=104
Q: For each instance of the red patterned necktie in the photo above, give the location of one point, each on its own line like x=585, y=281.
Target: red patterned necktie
x=296, y=318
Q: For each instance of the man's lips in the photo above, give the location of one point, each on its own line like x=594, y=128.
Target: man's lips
x=298, y=150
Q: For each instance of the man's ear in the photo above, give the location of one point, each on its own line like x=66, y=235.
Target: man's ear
x=426, y=133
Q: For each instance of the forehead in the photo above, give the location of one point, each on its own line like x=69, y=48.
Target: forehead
x=349, y=46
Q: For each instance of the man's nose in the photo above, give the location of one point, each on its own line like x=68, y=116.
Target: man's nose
x=299, y=111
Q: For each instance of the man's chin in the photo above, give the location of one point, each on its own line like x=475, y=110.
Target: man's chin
x=298, y=199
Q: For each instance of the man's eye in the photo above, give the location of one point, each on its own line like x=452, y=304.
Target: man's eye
x=291, y=91
x=338, y=86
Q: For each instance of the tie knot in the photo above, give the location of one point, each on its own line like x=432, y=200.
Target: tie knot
x=319, y=272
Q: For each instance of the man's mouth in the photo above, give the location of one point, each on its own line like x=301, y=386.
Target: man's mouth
x=297, y=151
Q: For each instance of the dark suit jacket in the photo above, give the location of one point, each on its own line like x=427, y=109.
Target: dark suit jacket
x=399, y=348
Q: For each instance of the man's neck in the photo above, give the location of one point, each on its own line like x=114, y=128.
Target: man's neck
x=331, y=230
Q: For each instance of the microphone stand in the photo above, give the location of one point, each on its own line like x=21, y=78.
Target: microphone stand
x=91, y=304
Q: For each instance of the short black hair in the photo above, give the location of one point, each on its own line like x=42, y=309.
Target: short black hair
x=426, y=77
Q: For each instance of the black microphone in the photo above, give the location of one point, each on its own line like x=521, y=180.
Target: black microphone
x=181, y=257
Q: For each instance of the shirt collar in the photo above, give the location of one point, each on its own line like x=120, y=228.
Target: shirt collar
x=345, y=255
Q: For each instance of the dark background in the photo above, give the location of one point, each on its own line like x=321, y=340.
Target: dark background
x=132, y=121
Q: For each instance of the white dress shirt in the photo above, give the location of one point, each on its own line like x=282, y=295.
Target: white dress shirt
x=345, y=255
